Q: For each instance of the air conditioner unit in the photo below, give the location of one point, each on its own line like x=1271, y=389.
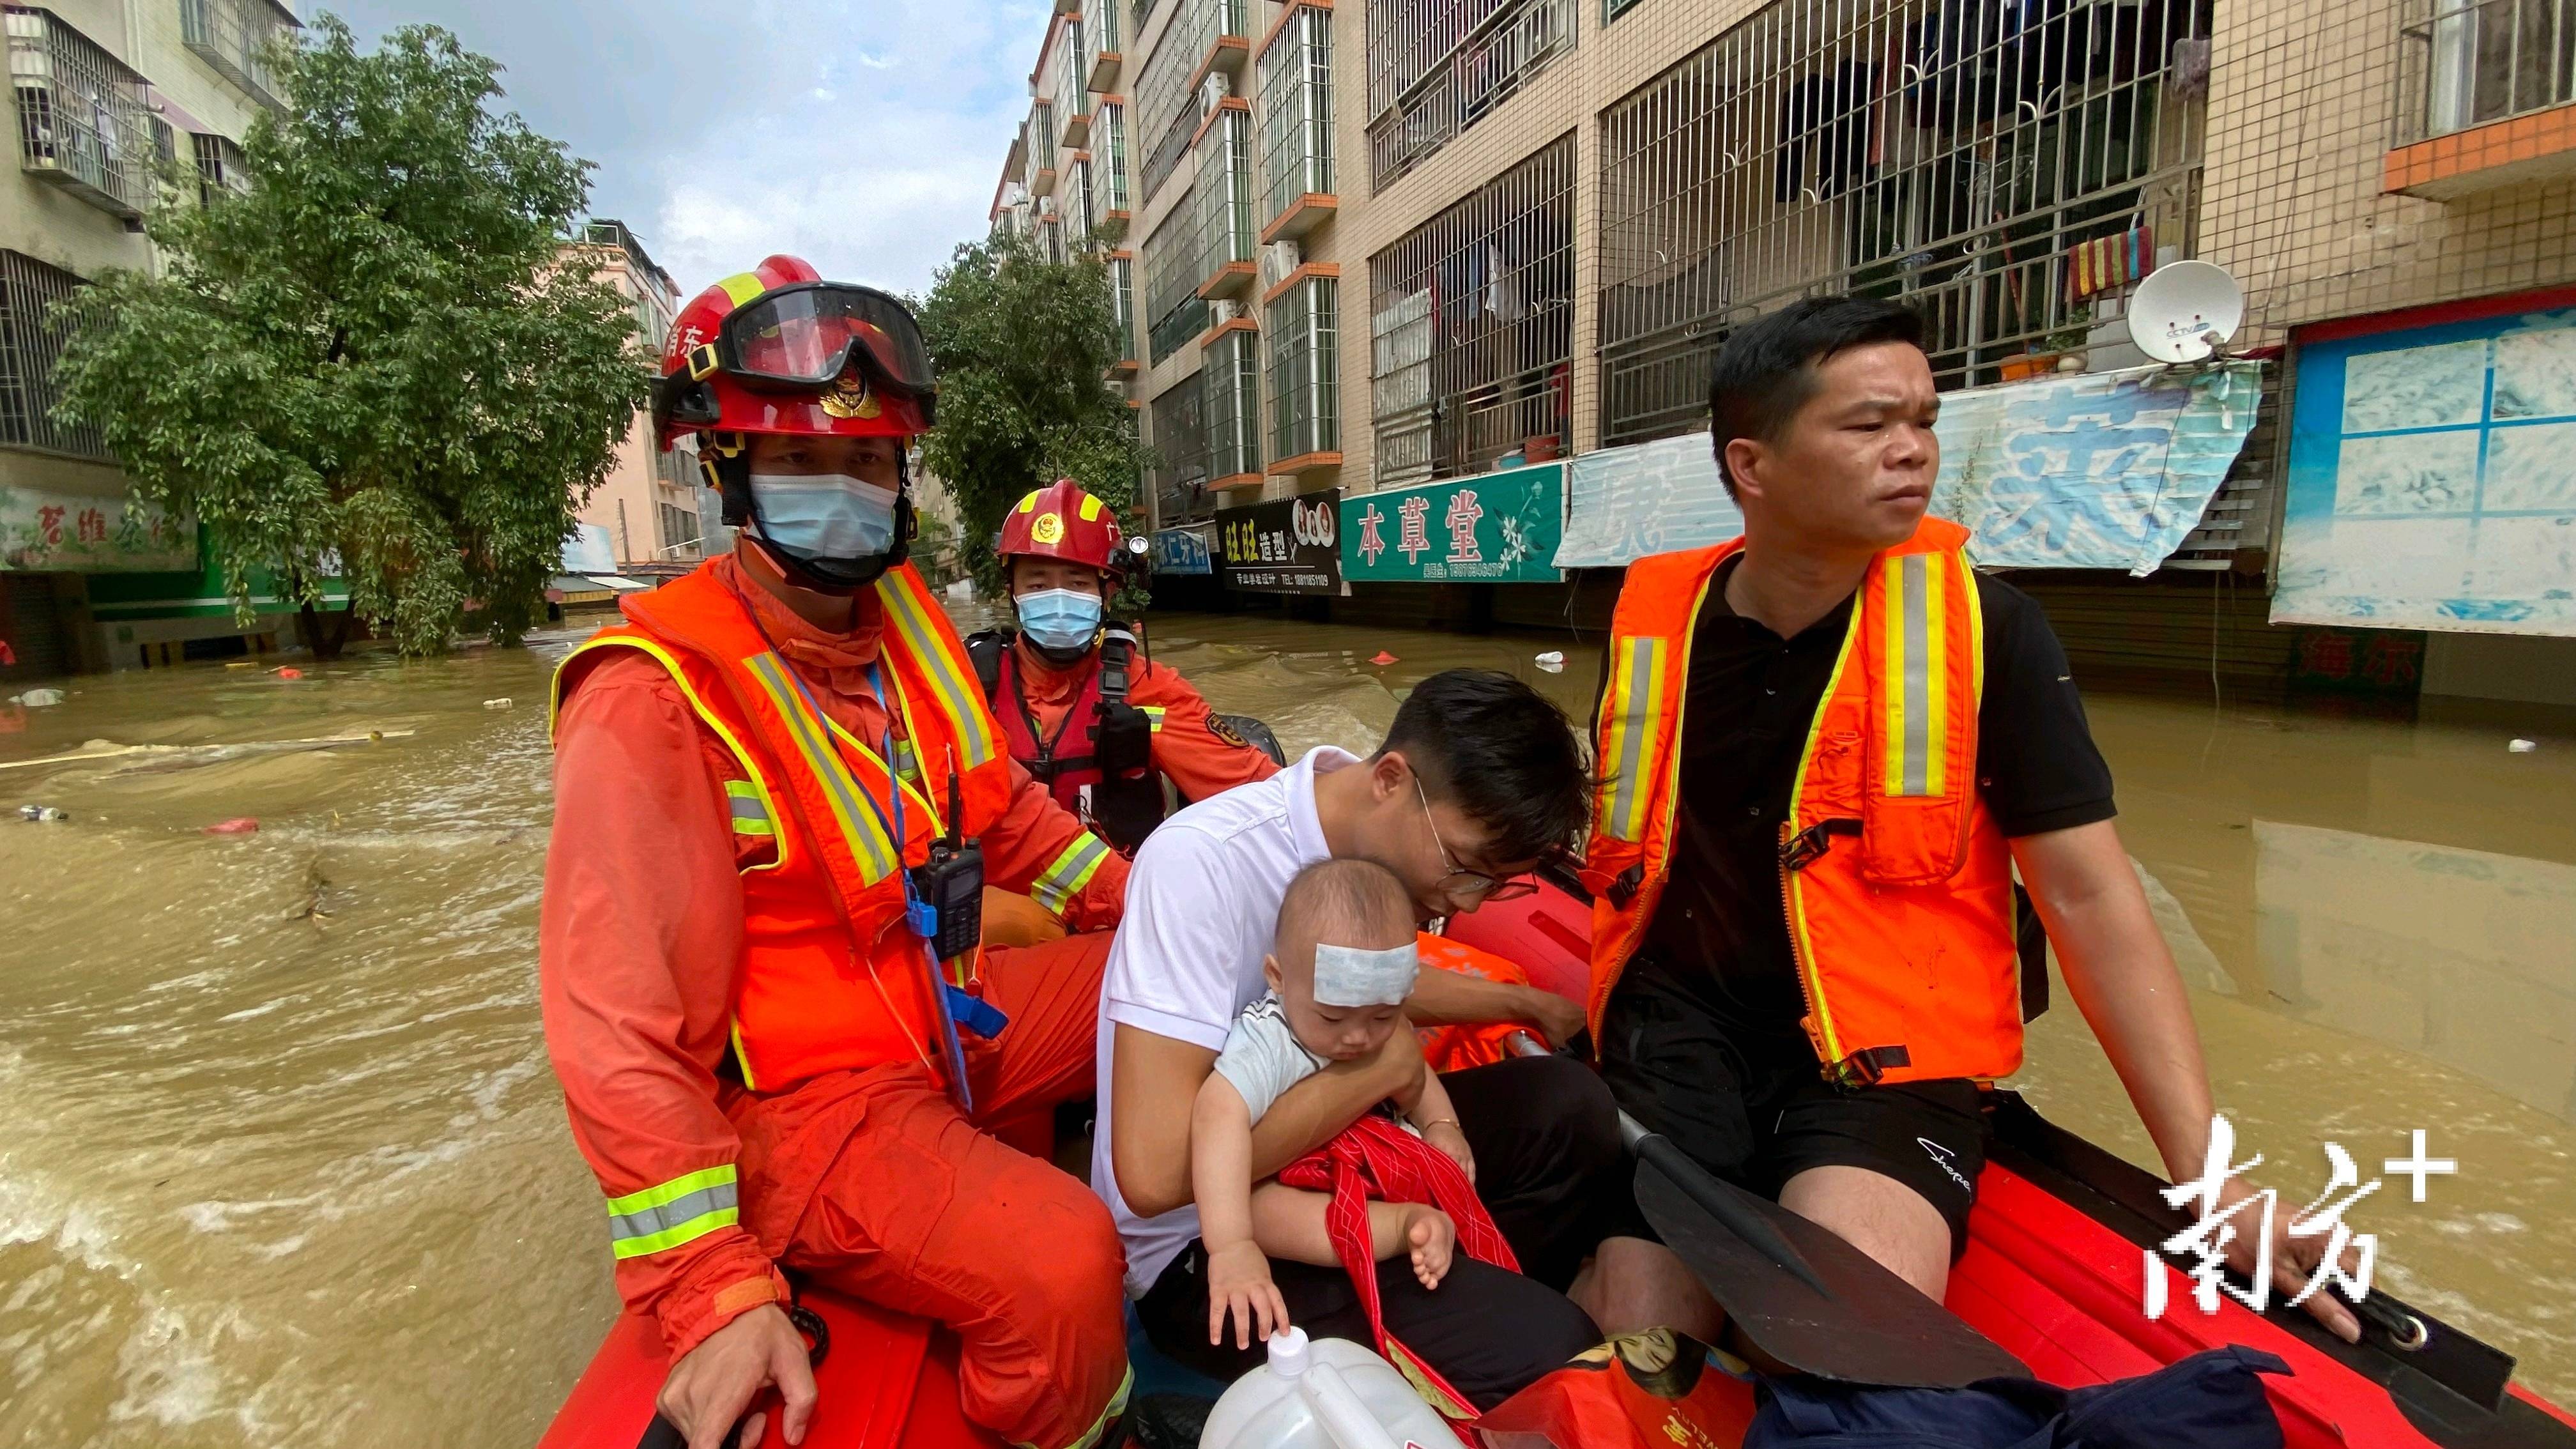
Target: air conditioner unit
x=1278, y=260
x=1213, y=90
x=1222, y=312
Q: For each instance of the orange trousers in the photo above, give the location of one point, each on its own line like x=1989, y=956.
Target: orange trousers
x=874, y=1183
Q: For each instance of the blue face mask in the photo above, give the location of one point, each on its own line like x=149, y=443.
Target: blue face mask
x=1064, y=620
x=824, y=515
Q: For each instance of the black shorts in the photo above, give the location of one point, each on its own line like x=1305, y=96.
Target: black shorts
x=1760, y=1117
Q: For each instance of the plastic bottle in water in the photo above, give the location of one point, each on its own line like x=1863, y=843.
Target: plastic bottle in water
x=1328, y=1394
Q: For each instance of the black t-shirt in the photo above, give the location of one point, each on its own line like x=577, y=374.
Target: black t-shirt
x=1720, y=936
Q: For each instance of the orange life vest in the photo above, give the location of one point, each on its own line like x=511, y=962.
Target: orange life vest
x=1897, y=882
x=831, y=975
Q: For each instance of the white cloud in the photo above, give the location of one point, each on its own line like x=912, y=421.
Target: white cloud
x=863, y=135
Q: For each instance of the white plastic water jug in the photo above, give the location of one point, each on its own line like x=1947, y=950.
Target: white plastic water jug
x=1328, y=1394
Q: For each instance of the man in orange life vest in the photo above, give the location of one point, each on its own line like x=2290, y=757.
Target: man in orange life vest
x=1080, y=710
x=1828, y=745
x=761, y=978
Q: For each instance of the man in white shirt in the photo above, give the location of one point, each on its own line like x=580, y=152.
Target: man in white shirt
x=1478, y=780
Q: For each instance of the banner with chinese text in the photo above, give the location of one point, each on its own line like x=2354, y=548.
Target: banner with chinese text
x=90, y=534
x=1288, y=546
x=1499, y=528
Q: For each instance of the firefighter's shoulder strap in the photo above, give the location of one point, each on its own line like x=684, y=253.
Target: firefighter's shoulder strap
x=984, y=650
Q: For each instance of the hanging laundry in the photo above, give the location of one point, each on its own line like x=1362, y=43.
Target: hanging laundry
x=2103, y=263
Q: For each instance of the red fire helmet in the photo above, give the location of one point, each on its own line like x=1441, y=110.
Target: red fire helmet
x=1062, y=521
x=779, y=350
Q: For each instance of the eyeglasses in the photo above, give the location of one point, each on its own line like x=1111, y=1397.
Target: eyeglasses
x=1464, y=884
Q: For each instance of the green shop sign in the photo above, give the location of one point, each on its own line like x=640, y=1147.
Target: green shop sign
x=1494, y=528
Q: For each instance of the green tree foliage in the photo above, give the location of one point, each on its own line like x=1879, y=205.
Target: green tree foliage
x=369, y=363
x=1023, y=345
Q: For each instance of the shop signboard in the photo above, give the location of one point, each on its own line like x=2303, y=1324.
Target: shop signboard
x=1287, y=546
x=1183, y=550
x=1495, y=528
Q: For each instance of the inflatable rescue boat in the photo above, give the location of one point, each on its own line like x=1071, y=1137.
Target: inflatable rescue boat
x=2052, y=1274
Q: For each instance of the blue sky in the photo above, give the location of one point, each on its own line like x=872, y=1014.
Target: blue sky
x=865, y=135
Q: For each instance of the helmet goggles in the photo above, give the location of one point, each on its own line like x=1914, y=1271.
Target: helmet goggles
x=804, y=337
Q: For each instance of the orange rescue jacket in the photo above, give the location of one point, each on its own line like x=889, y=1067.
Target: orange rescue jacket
x=1897, y=883
x=831, y=975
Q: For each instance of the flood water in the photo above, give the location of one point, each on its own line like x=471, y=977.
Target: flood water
x=284, y=1164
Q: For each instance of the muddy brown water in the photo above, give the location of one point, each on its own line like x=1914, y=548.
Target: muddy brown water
x=283, y=1163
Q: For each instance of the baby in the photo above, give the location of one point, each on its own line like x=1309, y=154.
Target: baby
x=1340, y=968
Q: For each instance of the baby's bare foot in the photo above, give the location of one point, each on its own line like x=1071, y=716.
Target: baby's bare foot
x=1432, y=1238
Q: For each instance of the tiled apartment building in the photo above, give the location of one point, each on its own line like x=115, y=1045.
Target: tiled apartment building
x=1361, y=243
x=113, y=99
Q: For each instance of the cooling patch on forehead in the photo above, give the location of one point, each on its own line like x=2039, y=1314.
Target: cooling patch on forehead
x=1348, y=976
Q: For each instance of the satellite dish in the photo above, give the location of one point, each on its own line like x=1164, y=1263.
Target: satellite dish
x=2184, y=311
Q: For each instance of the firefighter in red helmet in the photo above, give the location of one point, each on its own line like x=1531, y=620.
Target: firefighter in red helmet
x=1116, y=737
x=779, y=796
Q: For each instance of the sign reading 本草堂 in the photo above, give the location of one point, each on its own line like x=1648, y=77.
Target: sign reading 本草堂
x=1500, y=527
x=1183, y=550
x=1289, y=546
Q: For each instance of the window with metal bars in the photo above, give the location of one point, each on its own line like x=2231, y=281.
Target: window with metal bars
x=1168, y=108
x=1174, y=312
x=1232, y=376
x=1471, y=325
x=1223, y=193
x=83, y=121
x=235, y=36
x=1305, y=405
x=219, y=166
x=1108, y=161
x=31, y=343
x=1297, y=111
x=2469, y=62
x=1122, y=296
x=679, y=530
x=1437, y=67
x=1077, y=202
x=1041, y=144
x=1072, y=86
x=1178, y=420
x=1961, y=156
x=1099, y=35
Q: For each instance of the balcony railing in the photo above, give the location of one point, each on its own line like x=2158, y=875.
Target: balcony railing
x=235, y=37
x=83, y=121
x=1437, y=67
x=1233, y=377
x=1101, y=56
x=1780, y=161
x=1305, y=406
x=1223, y=193
x=2473, y=62
x=1296, y=119
x=31, y=342
x=1109, y=208
x=1471, y=325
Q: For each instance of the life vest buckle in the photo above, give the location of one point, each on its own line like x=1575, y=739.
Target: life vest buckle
x=1799, y=851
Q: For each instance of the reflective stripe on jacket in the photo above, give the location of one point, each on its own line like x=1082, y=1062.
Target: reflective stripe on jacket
x=1896, y=882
